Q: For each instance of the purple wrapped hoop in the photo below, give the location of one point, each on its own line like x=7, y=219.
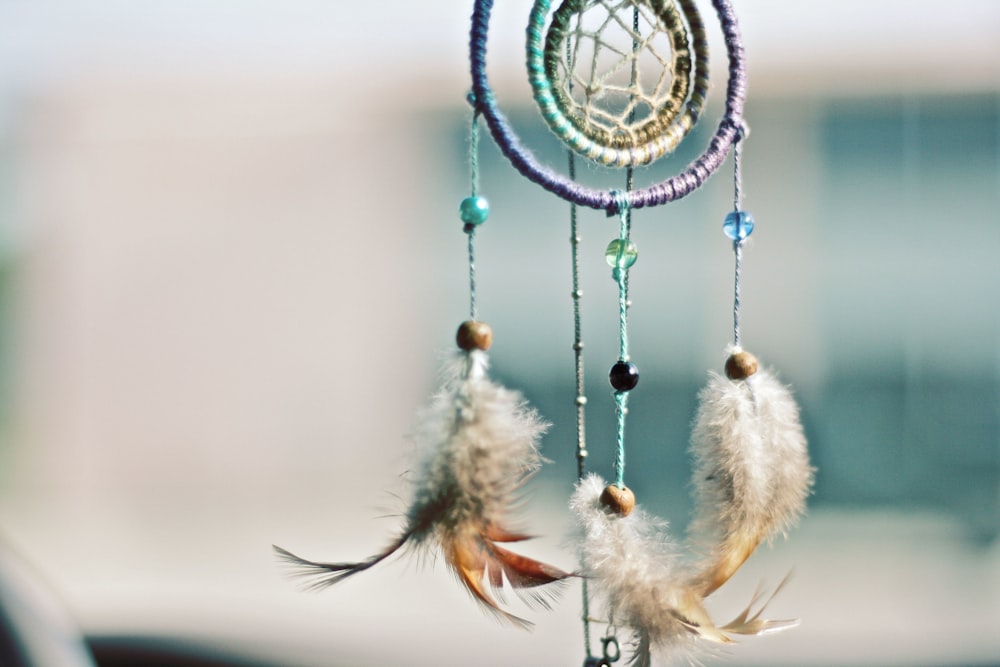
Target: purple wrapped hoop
x=693, y=176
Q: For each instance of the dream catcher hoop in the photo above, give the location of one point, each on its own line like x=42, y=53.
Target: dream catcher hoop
x=621, y=83
x=675, y=187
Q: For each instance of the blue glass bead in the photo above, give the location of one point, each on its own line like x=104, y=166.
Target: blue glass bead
x=474, y=210
x=738, y=225
x=621, y=254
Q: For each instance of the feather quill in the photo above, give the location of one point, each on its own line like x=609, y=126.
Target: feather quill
x=645, y=583
x=480, y=444
x=751, y=469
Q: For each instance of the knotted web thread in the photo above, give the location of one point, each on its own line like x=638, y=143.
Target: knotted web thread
x=629, y=79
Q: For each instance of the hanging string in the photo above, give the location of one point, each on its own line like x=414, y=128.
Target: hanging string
x=620, y=274
x=633, y=80
x=622, y=253
x=474, y=209
x=738, y=226
x=473, y=314
x=581, y=398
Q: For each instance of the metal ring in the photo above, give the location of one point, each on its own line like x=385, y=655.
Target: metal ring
x=612, y=651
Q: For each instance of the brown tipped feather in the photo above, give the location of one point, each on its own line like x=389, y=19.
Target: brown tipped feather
x=481, y=443
x=524, y=572
x=495, y=533
x=468, y=558
x=731, y=556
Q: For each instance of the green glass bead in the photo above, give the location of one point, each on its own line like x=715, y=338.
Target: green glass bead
x=474, y=210
x=621, y=254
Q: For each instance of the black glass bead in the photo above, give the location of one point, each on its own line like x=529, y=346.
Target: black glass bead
x=624, y=376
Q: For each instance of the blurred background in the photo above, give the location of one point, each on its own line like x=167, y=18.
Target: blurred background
x=231, y=262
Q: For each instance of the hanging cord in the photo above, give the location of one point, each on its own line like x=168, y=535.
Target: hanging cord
x=581, y=398
x=470, y=227
x=623, y=374
x=738, y=226
x=625, y=258
x=474, y=210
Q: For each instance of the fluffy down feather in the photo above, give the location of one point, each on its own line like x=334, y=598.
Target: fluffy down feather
x=637, y=570
x=480, y=444
x=751, y=470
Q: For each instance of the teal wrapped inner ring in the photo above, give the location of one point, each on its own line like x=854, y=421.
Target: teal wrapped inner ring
x=622, y=145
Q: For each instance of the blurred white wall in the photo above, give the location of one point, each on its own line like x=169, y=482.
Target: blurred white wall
x=232, y=260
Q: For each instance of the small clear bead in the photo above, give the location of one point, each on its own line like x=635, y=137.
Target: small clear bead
x=474, y=210
x=738, y=225
x=621, y=254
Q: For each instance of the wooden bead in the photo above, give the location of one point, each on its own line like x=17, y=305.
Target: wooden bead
x=740, y=365
x=619, y=500
x=474, y=335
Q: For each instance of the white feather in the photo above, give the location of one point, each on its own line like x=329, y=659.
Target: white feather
x=636, y=569
x=751, y=471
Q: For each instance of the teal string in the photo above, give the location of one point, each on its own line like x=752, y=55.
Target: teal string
x=470, y=230
x=473, y=309
x=620, y=274
x=474, y=153
x=621, y=401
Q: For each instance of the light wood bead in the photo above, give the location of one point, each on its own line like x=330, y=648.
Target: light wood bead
x=740, y=365
x=474, y=335
x=619, y=500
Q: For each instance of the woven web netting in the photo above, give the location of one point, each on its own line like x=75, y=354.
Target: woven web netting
x=620, y=68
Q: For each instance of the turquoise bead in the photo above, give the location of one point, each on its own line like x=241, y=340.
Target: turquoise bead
x=621, y=254
x=474, y=210
x=738, y=225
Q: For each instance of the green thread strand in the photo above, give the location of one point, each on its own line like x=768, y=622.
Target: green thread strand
x=620, y=274
x=621, y=402
x=470, y=230
x=473, y=310
x=474, y=154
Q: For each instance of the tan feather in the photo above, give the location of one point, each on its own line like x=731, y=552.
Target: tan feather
x=480, y=445
x=645, y=584
x=751, y=470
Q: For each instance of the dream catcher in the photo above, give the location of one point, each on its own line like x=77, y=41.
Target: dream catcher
x=621, y=83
